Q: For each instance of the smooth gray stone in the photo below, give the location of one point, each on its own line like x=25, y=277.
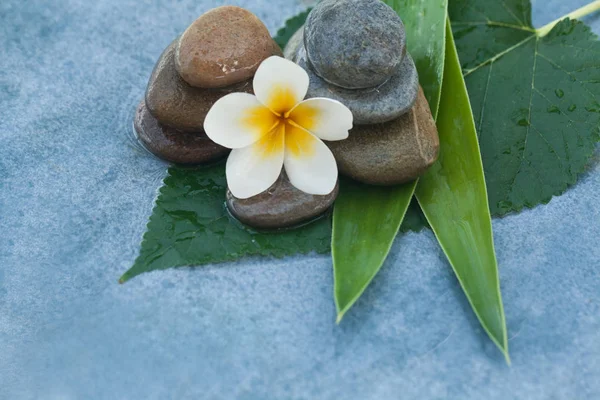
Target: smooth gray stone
x=354, y=44
x=380, y=104
x=280, y=206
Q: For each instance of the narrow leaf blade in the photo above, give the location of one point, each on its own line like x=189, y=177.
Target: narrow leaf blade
x=366, y=220
x=453, y=197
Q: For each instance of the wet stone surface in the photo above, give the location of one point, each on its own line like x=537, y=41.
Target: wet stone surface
x=173, y=145
x=280, y=206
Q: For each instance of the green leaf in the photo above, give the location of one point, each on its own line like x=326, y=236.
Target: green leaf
x=367, y=219
x=452, y=194
x=535, y=98
x=425, y=23
x=190, y=225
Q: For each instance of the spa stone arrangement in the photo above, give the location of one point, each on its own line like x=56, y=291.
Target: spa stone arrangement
x=354, y=52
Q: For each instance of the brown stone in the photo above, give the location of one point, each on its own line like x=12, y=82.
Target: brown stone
x=173, y=145
x=175, y=103
x=280, y=206
x=391, y=153
x=222, y=47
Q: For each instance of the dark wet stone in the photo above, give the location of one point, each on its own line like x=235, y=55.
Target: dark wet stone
x=175, y=103
x=280, y=206
x=373, y=105
x=173, y=145
x=222, y=47
x=392, y=153
x=354, y=43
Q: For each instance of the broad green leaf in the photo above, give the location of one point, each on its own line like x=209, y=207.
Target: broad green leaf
x=367, y=219
x=452, y=194
x=535, y=97
x=190, y=225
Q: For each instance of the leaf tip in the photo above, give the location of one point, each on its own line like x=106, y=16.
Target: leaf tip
x=507, y=357
x=504, y=350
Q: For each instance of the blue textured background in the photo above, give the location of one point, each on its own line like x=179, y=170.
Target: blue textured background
x=75, y=195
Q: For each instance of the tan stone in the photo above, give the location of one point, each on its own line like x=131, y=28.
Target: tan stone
x=175, y=103
x=222, y=47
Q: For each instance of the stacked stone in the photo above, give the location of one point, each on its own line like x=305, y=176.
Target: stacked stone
x=218, y=54
x=355, y=52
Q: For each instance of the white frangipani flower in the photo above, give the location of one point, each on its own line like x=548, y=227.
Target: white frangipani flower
x=275, y=129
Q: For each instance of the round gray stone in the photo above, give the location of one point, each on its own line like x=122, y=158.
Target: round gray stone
x=354, y=43
x=383, y=103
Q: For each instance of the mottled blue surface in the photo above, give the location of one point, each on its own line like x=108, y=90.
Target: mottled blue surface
x=75, y=195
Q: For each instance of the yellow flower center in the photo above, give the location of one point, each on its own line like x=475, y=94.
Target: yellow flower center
x=283, y=123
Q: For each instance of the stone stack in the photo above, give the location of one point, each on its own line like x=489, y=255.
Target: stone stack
x=355, y=52
x=218, y=54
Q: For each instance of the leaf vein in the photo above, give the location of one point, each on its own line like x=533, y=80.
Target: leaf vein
x=487, y=86
x=560, y=67
x=494, y=24
x=497, y=56
x=529, y=122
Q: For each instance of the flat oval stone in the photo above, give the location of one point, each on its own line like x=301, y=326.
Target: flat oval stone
x=392, y=153
x=354, y=43
x=374, y=105
x=280, y=206
x=175, y=103
x=173, y=145
x=222, y=47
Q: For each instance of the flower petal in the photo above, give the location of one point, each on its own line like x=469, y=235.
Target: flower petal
x=280, y=84
x=309, y=164
x=238, y=120
x=253, y=169
x=325, y=118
